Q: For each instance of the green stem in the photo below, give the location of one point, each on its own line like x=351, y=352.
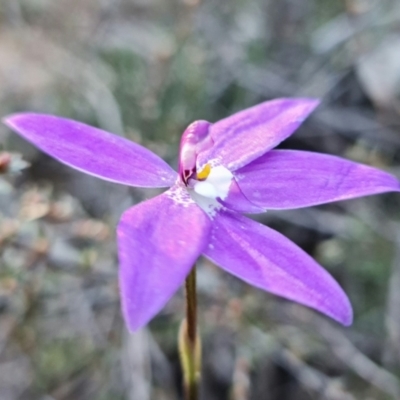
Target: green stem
x=191, y=306
x=189, y=343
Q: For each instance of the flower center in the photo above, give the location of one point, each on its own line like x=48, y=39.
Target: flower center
x=214, y=187
x=212, y=182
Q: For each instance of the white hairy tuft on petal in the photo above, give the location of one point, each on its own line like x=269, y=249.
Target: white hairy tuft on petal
x=216, y=186
x=221, y=178
x=206, y=189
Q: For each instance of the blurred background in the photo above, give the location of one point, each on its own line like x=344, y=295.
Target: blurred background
x=145, y=69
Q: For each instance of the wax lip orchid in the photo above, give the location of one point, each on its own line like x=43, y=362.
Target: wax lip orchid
x=225, y=169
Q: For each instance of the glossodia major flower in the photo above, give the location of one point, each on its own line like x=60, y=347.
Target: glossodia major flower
x=225, y=169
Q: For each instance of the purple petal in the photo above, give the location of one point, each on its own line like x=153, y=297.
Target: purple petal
x=246, y=135
x=159, y=241
x=93, y=151
x=264, y=258
x=237, y=201
x=284, y=179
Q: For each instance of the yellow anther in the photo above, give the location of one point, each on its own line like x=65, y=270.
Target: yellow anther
x=203, y=174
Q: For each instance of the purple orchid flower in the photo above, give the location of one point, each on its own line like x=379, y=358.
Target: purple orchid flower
x=225, y=169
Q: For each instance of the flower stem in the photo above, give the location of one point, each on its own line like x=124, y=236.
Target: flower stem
x=189, y=343
x=191, y=306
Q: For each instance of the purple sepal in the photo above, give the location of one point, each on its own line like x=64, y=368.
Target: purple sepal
x=93, y=150
x=268, y=260
x=286, y=179
x=159, y=241
x=248, y=134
